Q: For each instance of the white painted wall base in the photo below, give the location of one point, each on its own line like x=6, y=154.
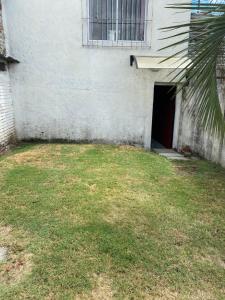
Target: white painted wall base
x=190, y=134
x=7, y=126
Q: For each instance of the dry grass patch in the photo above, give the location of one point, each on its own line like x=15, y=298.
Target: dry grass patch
x=179, y=237
x=101, y=291
x=116, y=214
x=215, y=260
x=80, y=149
x=128, y=148
x=19, y=262
x=93, y=188
x=168, y=294
x=36, y=155
x=162, y=294
x=69, y=216
x=207, y=294
x=151, y=231
x=41, y=156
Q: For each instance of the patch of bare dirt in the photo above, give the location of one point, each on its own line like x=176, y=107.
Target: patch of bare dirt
x=14, y=271
x=185, y=169
x=19, y=262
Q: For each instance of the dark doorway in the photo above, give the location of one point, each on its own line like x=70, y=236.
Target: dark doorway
x=163, y=116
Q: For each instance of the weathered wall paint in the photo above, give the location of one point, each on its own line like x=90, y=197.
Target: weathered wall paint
x=7, y=126
x=190, y=134
x=62, y=90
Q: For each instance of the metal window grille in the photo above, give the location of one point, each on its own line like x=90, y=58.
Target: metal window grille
x=198, y=3
x=116, y=23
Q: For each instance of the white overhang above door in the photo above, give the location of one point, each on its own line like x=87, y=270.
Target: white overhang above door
x=156, y=63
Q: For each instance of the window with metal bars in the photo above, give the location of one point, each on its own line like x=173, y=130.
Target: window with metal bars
x=197, y=4
x=117, y=20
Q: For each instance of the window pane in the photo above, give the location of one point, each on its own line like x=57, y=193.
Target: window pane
x=131, y=20
x=117, y=19
x=102, y=19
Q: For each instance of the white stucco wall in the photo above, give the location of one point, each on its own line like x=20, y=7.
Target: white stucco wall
x=7, y=129
x=62, y=90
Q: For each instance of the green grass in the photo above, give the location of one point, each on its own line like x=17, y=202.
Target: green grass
x=107, y=222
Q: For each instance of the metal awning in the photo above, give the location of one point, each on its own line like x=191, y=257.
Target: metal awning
x=159, y=62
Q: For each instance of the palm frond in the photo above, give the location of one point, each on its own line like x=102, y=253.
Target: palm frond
x=206, y=50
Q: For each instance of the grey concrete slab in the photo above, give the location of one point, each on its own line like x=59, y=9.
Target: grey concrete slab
x=164, y=150
x=170, y=154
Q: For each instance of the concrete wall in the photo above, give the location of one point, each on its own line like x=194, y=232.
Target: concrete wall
x=62, y=90
x=7, y=128
x=190, y=134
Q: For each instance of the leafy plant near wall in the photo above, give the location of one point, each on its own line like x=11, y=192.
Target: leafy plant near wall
x=205, y=69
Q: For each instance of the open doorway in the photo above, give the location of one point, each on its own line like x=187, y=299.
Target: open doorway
x=163, y=116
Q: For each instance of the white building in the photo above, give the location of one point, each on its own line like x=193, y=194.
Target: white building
x=75, y=81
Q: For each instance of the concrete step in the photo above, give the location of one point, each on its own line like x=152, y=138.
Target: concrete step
x=170, y=154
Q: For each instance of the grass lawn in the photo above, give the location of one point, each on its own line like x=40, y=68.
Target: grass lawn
x=107, y=222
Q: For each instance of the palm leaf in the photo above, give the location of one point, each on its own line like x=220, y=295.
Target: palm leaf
x=205, y=37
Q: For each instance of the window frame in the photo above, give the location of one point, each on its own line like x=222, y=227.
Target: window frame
x=120, y=43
